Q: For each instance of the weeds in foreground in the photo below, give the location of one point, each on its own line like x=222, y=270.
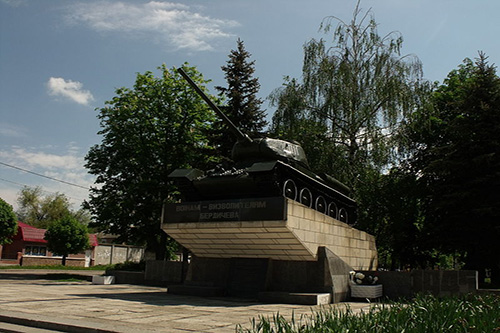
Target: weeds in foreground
x=425, y=313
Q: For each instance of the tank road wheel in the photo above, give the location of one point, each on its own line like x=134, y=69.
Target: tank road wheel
x=343, y=215
x=320, y=204
x=305, y=197
x=332, y=210
x=290, y=189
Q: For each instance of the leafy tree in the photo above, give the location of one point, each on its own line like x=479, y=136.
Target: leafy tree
x=357, y=89
x=292, y=122
x=40, y=211
x=456, y=154
x=396, y=217
x=8, y=222
x=243, y=105
x=147, y=132
x=66, y=236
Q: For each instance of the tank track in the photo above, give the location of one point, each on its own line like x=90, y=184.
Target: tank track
x=314, y=193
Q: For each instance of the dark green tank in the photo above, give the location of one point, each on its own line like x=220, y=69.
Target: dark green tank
x=265, y=167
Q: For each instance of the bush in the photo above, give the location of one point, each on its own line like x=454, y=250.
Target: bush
x=129, y=266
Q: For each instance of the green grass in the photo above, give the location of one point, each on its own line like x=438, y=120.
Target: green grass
x=126, y=266
x=58, y=267
x=472, y=313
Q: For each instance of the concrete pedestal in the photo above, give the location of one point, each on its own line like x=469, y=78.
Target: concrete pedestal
x=304, y=251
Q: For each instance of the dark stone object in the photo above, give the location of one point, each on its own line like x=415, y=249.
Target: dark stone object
x=251, y=277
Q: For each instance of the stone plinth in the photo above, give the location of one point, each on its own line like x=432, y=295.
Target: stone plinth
x=103, y=279
x=366, y=291
x=295, y=237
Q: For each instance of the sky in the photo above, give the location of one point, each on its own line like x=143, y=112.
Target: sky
x=62, y=60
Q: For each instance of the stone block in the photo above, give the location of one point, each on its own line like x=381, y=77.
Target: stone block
x=299, y=234
x=322, y=239
x=259, y=241
x=344, y=242
x=256, y=252
x=309, y=214
x=103, y=279
x=191, y=225
x=366, y=291
x=285, y=241
x=292, y=222
x=274, y=224
x=298, y=210
x=310, y=237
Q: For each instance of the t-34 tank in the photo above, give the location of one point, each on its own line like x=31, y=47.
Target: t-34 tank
x=265, y=167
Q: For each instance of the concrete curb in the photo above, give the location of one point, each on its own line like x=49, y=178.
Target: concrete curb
x=90, y=325
x=38, y=321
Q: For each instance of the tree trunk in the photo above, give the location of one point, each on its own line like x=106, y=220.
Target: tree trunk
x=64, y=260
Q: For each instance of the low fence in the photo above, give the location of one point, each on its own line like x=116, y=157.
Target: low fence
x=157, y=272
x=435, y=282
x=42, y=261
x=108, y=254
x=160, y=272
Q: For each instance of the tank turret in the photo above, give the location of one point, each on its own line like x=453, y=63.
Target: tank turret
x=265, y=167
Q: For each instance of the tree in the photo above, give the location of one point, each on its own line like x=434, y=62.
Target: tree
x=243, y=105
x=66, y=236
x=456, y=153
x=8, y=222
x=147, y=132
x=40, y=211
x=397, y=220
x=358, y=90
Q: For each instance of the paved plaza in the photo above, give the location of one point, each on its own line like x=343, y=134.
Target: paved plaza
x=42, y=298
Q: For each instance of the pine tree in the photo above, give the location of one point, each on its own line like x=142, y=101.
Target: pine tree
x=243, y=105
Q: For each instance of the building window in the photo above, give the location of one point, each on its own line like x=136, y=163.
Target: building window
x=35, y=250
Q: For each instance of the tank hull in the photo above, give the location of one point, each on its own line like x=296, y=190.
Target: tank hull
x=267, y=179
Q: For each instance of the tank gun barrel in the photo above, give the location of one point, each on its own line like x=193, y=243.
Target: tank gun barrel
x=241, y=137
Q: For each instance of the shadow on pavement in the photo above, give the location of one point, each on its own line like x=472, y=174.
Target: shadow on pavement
x=166, y=299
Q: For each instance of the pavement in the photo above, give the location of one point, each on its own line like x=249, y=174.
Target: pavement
x=48, y=300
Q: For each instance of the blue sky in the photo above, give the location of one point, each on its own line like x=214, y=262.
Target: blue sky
x=60, y=60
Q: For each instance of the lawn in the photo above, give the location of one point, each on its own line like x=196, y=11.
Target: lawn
x=58, y=267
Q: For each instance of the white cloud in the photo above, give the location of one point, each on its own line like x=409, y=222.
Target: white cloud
x=41, y=159
x=65, y=166
x=14, y=3
x=72, y=90
x=12, y=131
x=9, y=195
x=168, y=23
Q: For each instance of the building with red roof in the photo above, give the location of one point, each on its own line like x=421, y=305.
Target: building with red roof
x=29, y=247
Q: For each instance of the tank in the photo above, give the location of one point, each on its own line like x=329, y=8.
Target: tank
x=265, y=167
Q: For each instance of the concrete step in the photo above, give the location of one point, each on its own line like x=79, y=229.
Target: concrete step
x=35, y=323
x=295, y=298
x=14, y=328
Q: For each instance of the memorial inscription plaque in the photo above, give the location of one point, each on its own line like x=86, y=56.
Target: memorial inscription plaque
x=255, y=209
